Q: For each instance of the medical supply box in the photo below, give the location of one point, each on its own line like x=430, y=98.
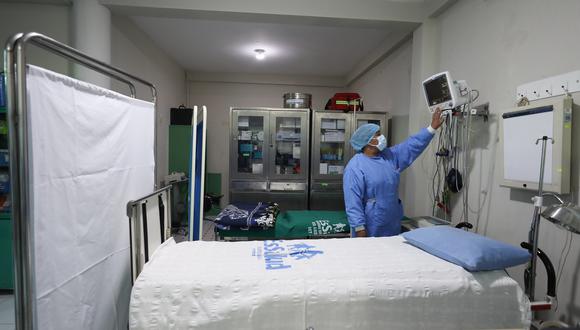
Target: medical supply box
x=345, y=102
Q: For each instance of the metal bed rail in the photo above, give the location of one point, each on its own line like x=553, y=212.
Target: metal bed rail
x=15, y=60
x=140, y=225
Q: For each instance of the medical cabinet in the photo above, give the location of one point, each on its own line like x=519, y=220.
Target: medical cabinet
x=269, y=156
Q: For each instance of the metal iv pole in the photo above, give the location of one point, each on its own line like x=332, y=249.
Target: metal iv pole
x=530, y=273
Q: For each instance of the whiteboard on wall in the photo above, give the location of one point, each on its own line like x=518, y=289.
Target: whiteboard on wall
x=521, y=154
x=521, y=128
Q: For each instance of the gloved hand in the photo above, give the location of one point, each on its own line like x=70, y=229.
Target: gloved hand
x=437, y=120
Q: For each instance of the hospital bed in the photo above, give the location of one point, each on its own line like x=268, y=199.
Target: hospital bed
x=368, y=283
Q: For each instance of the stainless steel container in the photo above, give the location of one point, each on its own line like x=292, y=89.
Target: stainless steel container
x=297, y=100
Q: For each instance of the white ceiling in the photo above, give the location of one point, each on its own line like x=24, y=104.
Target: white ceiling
x=292, y=49
x=335, y=40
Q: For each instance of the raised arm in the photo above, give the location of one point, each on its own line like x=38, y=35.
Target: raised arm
x=406, y=152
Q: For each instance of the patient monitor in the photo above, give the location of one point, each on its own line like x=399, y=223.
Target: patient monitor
x=441, y=91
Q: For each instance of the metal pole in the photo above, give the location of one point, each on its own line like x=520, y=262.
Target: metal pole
x=169, y=212
x=138, y=235
x=28, y=301
x=18, y=231
x=466, y=161
x=534, y=231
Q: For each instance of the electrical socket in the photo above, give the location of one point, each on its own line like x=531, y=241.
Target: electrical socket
x=561, y=87
x=521, y=92
x=546, y=88
x=567, y=80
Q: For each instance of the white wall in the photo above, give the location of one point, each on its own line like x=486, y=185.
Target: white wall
x=219, y=97
x=496, y=45
x=135, y=53
x=51, y=20
x=386, y=87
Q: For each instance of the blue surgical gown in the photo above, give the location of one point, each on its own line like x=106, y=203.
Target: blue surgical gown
x=371, y=186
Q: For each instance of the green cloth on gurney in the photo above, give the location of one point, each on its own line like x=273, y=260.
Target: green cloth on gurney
x=306, y=224
x=295, y=224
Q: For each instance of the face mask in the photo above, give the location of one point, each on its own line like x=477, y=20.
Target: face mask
x=382, y=143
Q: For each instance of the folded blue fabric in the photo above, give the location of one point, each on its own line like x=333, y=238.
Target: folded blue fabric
x=468, y=250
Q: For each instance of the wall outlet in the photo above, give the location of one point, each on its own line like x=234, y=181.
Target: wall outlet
x=546, y=88
x=561, y=86
x=549, y=87
x=521, y=93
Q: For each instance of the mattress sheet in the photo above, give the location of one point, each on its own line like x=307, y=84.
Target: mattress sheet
x=363, y=283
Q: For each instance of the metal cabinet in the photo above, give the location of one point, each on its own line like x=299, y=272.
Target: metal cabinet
x=331, y=151
x=269, y=156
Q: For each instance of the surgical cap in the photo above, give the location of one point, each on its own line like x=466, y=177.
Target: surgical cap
x=363, y=135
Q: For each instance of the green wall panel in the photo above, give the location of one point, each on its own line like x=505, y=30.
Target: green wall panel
x=179, y=148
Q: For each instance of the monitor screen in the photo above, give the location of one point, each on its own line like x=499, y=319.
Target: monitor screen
x=437, y=90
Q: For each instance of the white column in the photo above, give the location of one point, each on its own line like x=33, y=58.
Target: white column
x=425, y=62
x=91, y=34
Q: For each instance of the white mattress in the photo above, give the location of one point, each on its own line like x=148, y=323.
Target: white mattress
x=370, y=283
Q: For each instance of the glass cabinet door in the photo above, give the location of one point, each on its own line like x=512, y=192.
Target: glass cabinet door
x=360, y=122
x=331, y=143
x=249, y=143
x=376, y=118
x=289, y=145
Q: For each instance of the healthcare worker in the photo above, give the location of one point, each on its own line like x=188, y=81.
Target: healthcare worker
x=371, y=178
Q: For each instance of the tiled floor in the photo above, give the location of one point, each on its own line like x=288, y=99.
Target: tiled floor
x=7, y=312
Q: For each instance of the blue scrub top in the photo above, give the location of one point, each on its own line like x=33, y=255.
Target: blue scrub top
x=371, y=186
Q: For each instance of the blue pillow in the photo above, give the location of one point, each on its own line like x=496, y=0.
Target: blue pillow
x=468, y=250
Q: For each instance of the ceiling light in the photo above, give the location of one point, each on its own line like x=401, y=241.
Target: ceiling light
x=260, y=54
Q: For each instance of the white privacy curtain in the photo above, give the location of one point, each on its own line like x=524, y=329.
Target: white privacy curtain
x=91, y=152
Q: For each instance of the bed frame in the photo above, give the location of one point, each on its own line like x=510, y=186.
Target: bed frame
x=15, y=61
x=149, y=225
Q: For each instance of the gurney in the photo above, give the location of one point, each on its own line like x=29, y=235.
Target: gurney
x=370, y=283
x=363, y=283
